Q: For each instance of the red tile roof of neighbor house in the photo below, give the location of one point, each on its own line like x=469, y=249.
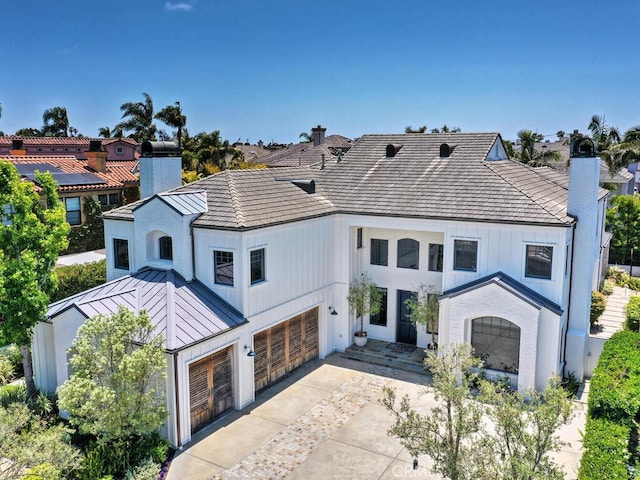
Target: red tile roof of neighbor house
x=118, y=175
x=72, y=141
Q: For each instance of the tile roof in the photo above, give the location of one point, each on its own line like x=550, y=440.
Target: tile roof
x=416, y=182
x=185, y=312
x=70, y=141
x=305, y=154
x=117, y=176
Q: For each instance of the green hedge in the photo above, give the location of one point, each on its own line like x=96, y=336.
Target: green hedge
x=615, y=387
x=605, y=452
x=78, y=278
x=632, y=321
x=598, y=304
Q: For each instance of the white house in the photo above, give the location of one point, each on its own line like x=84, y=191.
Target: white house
x=256, y=261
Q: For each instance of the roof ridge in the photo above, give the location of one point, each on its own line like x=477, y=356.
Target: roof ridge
x=235, y=201
x=526, y=194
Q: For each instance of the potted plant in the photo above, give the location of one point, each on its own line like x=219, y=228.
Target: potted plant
x=364, y=299
x=424, y=309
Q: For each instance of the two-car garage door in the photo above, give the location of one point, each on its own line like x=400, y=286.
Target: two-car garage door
x=284, y=347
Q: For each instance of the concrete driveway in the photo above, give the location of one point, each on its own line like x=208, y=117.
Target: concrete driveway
x=324, y=422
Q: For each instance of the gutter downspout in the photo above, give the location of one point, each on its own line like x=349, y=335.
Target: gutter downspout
x=175, y=378
x=566, y=331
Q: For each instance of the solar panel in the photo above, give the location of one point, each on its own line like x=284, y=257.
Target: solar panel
x=30, y=168
x=71, y=179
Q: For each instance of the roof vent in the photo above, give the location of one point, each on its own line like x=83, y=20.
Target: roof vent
x=392, y=150
x=308, y=186
x=445, y=150
x=95, y=145
x=160, y=149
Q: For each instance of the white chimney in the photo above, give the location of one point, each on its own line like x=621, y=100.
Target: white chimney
x=160, y=168
x=584, y=176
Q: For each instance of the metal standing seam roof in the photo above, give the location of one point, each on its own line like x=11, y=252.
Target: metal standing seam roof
x=185, y=312
x=416, y=183
x=185, y=203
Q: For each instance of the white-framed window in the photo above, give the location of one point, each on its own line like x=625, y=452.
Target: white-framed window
x=538, y=261
x=257, y=264
x=436, y=256
x=465, y=255
x=223, y=267
x=121, y=253
x=408, y=253
x=166, y=248
x=379, y=252
x=74, y=215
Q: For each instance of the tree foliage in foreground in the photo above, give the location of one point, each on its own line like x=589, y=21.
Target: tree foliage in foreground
x=623, y=221
x=116, y=389
x=493, y=434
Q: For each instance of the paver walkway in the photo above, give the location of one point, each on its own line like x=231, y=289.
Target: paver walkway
x=325, y=422
x=612, y=318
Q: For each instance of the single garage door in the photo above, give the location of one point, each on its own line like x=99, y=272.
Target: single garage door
x=284, y=347
x=210, y=388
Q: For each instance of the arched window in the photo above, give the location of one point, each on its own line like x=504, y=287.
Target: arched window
x=497, y=341
x=408, y=253
x=166, y=248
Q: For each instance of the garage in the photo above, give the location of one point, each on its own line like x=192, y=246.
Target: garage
x=284, y=347
x=210, y=388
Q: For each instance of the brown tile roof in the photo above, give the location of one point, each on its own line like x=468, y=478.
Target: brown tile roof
x=117, y=176
x=71, y=141
x=416, y=182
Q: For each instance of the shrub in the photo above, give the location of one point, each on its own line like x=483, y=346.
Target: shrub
x=7, y=370
x=616, y=275
x=605, y=452
x=147, y=470
x=632, y=320
x=607, y=286
x=78, y=278
x=12, y=394
x=598, y=304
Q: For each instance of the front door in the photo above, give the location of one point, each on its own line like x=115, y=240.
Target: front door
x=406, y=331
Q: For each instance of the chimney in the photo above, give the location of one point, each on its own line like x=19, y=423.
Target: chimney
x=160, y=168
x=17, y=148
x=584, y=177
x=318, y=135
x=96, y=158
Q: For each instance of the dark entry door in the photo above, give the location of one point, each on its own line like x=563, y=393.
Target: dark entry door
x=406, y=331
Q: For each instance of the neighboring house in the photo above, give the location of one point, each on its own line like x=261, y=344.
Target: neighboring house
x=111, y=183
x=260, y=261
x=329, y=147
x=118, y=149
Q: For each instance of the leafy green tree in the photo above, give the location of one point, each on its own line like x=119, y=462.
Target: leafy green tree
x=421, y=129
x=451, y=433
x=56, y=122
x=31, y=238
x=29, y=132
x=206, y=153
x=172, y=116
x=446, y=129
x=90, y=235
x=73, y=279
x=424, y=309
x=364, y=299
x=31, y=448
x=116, y=389
x=139, y=119
x=525, y=425
x=623, y=221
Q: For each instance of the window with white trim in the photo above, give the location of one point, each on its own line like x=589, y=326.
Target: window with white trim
x=223, y=266
x=538, y=261
x=465, y=255
x=256, y=260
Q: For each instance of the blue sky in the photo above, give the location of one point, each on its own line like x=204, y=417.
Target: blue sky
x=260, y=69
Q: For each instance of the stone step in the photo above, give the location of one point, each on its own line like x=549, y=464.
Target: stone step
x=384, y=360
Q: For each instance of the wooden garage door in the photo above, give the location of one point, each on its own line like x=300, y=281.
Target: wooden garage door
x=210, y=388
x=285, y=347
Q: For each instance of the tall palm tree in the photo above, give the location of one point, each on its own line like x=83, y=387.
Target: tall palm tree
x=529, y=155
x=172, y=116
x=56, y=122
x=306, y=137
x=605, y=135
x=139, y=119
x=616, y=151
x=104, y=132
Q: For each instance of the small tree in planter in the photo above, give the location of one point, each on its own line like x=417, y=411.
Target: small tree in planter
x=424, y=309
x=364, y=299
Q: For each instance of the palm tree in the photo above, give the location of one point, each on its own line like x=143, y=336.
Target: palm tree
x=421, y=129
x=617, y=152
x=172, y=116
x=139, y=119
x=56, y=122
x=529, y=155
x=104, y=132
x=306, y=137
x=603, y=134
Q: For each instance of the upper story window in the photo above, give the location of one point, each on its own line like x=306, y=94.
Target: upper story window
x=166, y=248
x=436, y=254
x=114, y=199
x=465, y=255
x=380, y=318
x=256, y=258
x=72, y=204
x=223, y=264
x=359, y=238
x=119, y=151
x=379, y=252
x=408, y=253
x=121, y=253
x=538, y=261
x=102, y=199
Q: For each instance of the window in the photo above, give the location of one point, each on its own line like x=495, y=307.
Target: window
x=379, y=250
x=257, y=266
x=538, y=262
x=223, y=264
x=436, y=253
x=119, y=151
x=166, y=248
x=72, y=204
x=359, y=238
x=380, y=318
x=113, y=199
x=408, y=253
x=497, y=341
x=102, y=199
x=121, y=253
x=465, y=255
